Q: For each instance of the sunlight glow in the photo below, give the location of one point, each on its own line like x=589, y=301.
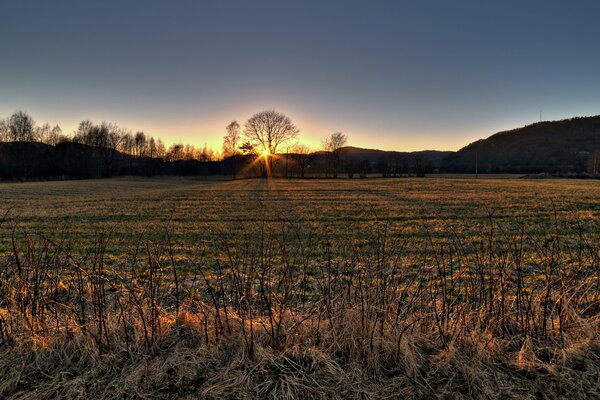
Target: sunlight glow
x=265, y=153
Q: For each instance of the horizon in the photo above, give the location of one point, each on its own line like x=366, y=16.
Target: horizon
x=408, y=77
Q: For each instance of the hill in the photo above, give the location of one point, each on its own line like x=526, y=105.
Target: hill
x=561, y=146
x=434, y=157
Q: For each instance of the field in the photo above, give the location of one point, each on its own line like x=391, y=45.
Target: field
x=366, y=288
x=199, y=212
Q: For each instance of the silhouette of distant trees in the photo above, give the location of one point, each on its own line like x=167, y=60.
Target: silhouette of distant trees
x=104, y=149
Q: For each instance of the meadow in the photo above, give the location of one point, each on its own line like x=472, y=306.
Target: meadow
x=446, y=287
x=197, y=211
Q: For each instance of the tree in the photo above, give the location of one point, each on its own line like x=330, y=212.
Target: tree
x=266, y=131
x=21, y=127
x=127, y=145
x=334, y=144
x=189, y=152
x=206, y=154
x=151, y=147
x=140, y=144
x=3, y=130
x=56, y=136
x=107, y=137
x=161, y=151
x=175, y=152
x=302, y=155
x=231, y=139
x=84, y=133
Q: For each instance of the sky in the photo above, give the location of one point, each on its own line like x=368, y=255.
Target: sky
x=395, y=75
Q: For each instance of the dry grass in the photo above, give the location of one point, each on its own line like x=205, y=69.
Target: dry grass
x=428, y=291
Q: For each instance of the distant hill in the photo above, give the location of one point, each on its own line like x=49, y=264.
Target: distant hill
x=553, y=146
x=436, y=158
x=356, y=154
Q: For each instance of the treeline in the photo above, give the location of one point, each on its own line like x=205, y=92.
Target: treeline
x=94, y=150
x=29, y=151
x=266, y=146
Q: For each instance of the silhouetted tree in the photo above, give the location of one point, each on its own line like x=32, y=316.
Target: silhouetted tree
x=231, y=139
x=151, y=147
x=302, y=155
x=20, y=127
x=206, y=154
x=161, y=151
x=3, y=130
x=108, y=136
x=334, y=144
x=140, y=144
x=189, y=152
x=56, y=136
x=266, y=131
x=175, y=152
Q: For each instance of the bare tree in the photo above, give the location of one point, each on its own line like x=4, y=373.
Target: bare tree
x=84, y=133
x=127, y=144
x=175, y=152
x=56, y=136
x=107, y=137
x=302, y=155
x=151, y=147
x=161, y=151
x=189, y=152
x=42, y=133
x=266, y=131
x=140, y=144
x=20, y=127
x=231, y=139
x=3, y=130
x=206, y=154
x=334, y=145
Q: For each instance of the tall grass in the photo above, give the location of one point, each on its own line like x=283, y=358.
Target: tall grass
x=278, y=315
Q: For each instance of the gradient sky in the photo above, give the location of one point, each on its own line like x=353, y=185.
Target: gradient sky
x=404, y=75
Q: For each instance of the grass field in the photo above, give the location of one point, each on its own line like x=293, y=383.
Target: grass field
x=367, y=288
x=196, y=211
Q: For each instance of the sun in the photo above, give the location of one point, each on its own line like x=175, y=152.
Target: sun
x=265, y=153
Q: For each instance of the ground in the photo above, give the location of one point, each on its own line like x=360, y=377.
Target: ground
x=437, y=287
x=197, y=211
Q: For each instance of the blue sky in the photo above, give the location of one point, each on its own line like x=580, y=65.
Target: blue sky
x=403, y=75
